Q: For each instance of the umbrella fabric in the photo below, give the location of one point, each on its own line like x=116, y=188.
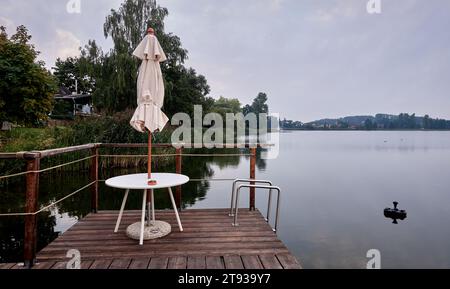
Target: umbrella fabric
x=150, y=87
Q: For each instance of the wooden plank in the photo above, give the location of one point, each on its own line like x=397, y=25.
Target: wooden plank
x=218, y=252
x=214, y=227
x=69, y=236
x=19, y=266
x=199, y=247
x=288, y=261
x=187, y=223
x=177, y=263
x=43, y=265
x=100, y=264
x=158, y=263
x=209, y=241
x=270, y=262
x=9, y=156
x=127, y=145
x=196, y=262
x=120, y=263
x=233, y=262
x=188, y=146
x=200, y=217
x=189, y=230
x=60, y=151
x=191, y=224
x=251, y=262
x=6, y=266
x=139, y=263
x=86, y=264
x=179, y=241
x=214, y=263
x=185, y=213
x=170, y=214
x=60, y=266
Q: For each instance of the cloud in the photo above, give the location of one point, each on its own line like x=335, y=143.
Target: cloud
x=67, y=44
x=62, y=44
x=339, y=10
x=315, y=58
x=8, y=23
x=276, y=4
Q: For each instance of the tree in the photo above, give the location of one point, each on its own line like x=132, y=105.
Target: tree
x=184, y=89
x=224, y=105
x=127, y=26
x=26, y=87
x=114, y=74
x=68, y=74
x=258, y=106
x=247, y=109
x=369, y=124
x=427, y=122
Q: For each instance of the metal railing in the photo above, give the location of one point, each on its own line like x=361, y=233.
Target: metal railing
x=270, y=189
x=251, y=182
x=33, y=171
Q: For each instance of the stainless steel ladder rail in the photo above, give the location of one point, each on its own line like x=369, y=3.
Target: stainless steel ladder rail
x=250, y=181
x=271, y=189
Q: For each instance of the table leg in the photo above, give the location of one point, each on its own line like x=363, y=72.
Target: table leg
x=153, y=206
x=175, y=208
x=149, y=208
x=122, y=208
x=141, y=242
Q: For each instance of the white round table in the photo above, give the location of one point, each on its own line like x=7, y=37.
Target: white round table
x=154, y=229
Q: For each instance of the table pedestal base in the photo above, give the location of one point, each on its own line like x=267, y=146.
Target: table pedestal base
x=157, y=230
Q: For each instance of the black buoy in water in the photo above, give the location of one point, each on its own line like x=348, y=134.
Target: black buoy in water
x=395, y=214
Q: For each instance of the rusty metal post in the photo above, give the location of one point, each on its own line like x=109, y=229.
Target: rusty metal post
x=94, y=178
x=252, y=177
x=179, y=164
x=31, y=206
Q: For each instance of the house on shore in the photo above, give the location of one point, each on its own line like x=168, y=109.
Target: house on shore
x=69, y=105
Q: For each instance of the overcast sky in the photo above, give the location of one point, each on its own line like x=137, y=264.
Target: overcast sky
x=314, y=58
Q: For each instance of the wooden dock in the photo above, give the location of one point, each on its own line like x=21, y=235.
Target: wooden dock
x=209, y=241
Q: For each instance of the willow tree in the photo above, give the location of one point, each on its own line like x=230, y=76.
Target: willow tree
x=114, y=74
x=117, y=84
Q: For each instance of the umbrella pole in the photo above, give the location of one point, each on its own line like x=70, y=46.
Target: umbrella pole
x=149, y=168
x=151, y=182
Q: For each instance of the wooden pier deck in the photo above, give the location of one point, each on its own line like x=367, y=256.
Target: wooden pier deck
x=209, y=241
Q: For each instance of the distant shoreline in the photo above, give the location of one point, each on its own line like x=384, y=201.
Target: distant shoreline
x=331, y=129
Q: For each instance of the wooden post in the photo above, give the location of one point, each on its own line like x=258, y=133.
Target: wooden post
x=31, y=206
x=252, y=177
x=179, y=164
x=94, y=178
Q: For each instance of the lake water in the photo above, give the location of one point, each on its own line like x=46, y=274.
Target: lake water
x=335, y=188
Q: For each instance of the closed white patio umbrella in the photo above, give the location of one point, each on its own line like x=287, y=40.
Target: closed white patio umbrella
x=149, y=118
x=150, y=92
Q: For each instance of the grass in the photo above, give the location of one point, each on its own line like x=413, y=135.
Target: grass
x=29, y=139
x=106, y=129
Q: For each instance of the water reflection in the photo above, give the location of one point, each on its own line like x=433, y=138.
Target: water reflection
x=12, y=234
